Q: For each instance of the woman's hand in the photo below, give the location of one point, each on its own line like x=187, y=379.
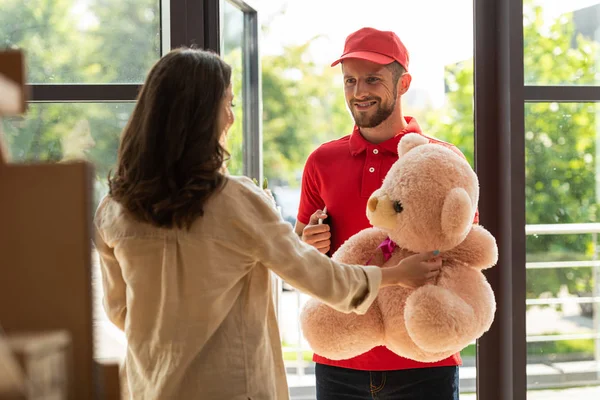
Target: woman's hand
x=414, y=271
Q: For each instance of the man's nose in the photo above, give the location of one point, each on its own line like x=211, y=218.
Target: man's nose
x=360, y=90
x=372, y=204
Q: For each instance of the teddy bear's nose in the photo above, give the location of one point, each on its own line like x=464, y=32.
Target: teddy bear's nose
x=372, y=204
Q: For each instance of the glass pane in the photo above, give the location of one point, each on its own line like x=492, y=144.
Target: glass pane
x=62, y=132
x=304, y=106
x=232, y=36
x=563, y=253
x=83, y=41
x=561, y=42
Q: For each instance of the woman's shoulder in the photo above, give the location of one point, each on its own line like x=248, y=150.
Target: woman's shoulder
x=238, y=182
x=245, y=194
x=237, y=186
x=113, y=221
x=108, y=217
x=108, y=210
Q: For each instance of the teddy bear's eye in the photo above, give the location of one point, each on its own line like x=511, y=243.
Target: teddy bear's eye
x=398, y=206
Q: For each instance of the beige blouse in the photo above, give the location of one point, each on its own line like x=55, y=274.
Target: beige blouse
x=196, y=306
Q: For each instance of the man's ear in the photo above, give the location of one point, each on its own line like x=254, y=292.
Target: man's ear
x=404, y=83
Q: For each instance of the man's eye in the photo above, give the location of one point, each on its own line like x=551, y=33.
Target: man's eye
x=398, y=207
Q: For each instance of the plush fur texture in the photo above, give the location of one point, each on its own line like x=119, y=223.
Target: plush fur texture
x=438, y=192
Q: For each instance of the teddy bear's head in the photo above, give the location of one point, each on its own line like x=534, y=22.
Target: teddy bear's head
x=428, y=198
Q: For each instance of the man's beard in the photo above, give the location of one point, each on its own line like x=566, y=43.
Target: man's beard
x=382, y=113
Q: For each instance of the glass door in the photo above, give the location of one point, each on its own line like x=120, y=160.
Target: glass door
x=239, y=48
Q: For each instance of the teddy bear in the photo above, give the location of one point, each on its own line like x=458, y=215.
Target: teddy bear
x=427, y=202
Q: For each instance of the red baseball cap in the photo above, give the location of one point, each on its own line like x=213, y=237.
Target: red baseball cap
x=381, y=47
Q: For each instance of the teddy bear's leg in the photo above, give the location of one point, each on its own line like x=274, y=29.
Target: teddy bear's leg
x=340, y=336
x=470, y=284
x=391, y=302
x=438, y=320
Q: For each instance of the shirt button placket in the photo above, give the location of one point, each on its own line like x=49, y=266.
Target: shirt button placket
x=371, y=178
x=372, y=169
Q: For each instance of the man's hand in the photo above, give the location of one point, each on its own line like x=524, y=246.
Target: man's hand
x=317, y=235
x=414, y=271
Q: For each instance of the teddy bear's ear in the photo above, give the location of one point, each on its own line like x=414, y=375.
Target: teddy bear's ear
x=457, y=213
x=410, y=141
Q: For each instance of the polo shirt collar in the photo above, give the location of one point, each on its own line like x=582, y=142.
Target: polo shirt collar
x=358, y=143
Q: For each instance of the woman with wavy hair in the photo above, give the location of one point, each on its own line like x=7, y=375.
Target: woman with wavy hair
x=186, y=250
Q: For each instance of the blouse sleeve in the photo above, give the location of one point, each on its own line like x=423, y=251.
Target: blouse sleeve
x=262, y=233
x=115, y=303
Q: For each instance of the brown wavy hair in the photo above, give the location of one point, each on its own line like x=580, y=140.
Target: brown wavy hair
x=170, y=157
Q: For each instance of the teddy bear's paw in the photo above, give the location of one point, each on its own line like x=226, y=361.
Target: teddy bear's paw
x=437, y=320
x=479, y=249
x=340, y=336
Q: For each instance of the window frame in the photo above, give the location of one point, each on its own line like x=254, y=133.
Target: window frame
x=186, y=23
x=251, y=89
x=500, y=98
x=189, y=23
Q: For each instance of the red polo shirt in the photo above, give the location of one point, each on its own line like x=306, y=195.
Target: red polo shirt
x=341, y=175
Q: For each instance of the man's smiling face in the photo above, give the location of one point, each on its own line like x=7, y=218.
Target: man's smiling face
x=370, y=91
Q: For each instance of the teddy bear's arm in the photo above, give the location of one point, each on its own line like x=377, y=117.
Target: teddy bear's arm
x=478, y=250
x=361, y=247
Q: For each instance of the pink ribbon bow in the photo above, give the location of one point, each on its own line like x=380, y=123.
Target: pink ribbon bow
x=387, y=248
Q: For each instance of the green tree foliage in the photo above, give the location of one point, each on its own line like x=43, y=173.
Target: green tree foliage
x=300, y=111
x=128, y=37
x=110, y=41
x=47, y=30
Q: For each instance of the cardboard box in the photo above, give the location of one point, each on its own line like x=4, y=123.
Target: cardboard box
x=46, y=361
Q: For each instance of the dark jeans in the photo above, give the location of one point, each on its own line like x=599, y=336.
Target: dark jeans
x=436, y=383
